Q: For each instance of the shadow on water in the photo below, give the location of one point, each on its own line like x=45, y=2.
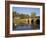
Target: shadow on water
x=28, y=26
x=38, y=23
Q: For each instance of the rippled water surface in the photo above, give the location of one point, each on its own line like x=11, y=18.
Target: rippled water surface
x=25, y=27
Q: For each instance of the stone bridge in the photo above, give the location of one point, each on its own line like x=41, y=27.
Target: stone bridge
x=33, y=19
x=29, y=20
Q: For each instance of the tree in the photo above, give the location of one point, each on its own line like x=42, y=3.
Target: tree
x=22, y=16
x=14, y=13
x=33, y=14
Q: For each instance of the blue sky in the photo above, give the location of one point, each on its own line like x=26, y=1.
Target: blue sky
x=26, y=10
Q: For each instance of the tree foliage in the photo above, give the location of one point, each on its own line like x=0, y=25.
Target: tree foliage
x=33, y=14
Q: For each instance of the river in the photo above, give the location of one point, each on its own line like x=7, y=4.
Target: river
x=25, y=27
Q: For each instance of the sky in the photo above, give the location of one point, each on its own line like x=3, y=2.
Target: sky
x=25, y=10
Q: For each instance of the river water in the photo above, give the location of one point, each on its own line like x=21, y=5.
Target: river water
x=25, y=27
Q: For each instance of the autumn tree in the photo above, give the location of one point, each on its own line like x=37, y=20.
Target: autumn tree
x=33, y=14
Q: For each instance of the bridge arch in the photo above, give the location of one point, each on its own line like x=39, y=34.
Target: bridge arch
x=37, y=21
x=32, y=21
